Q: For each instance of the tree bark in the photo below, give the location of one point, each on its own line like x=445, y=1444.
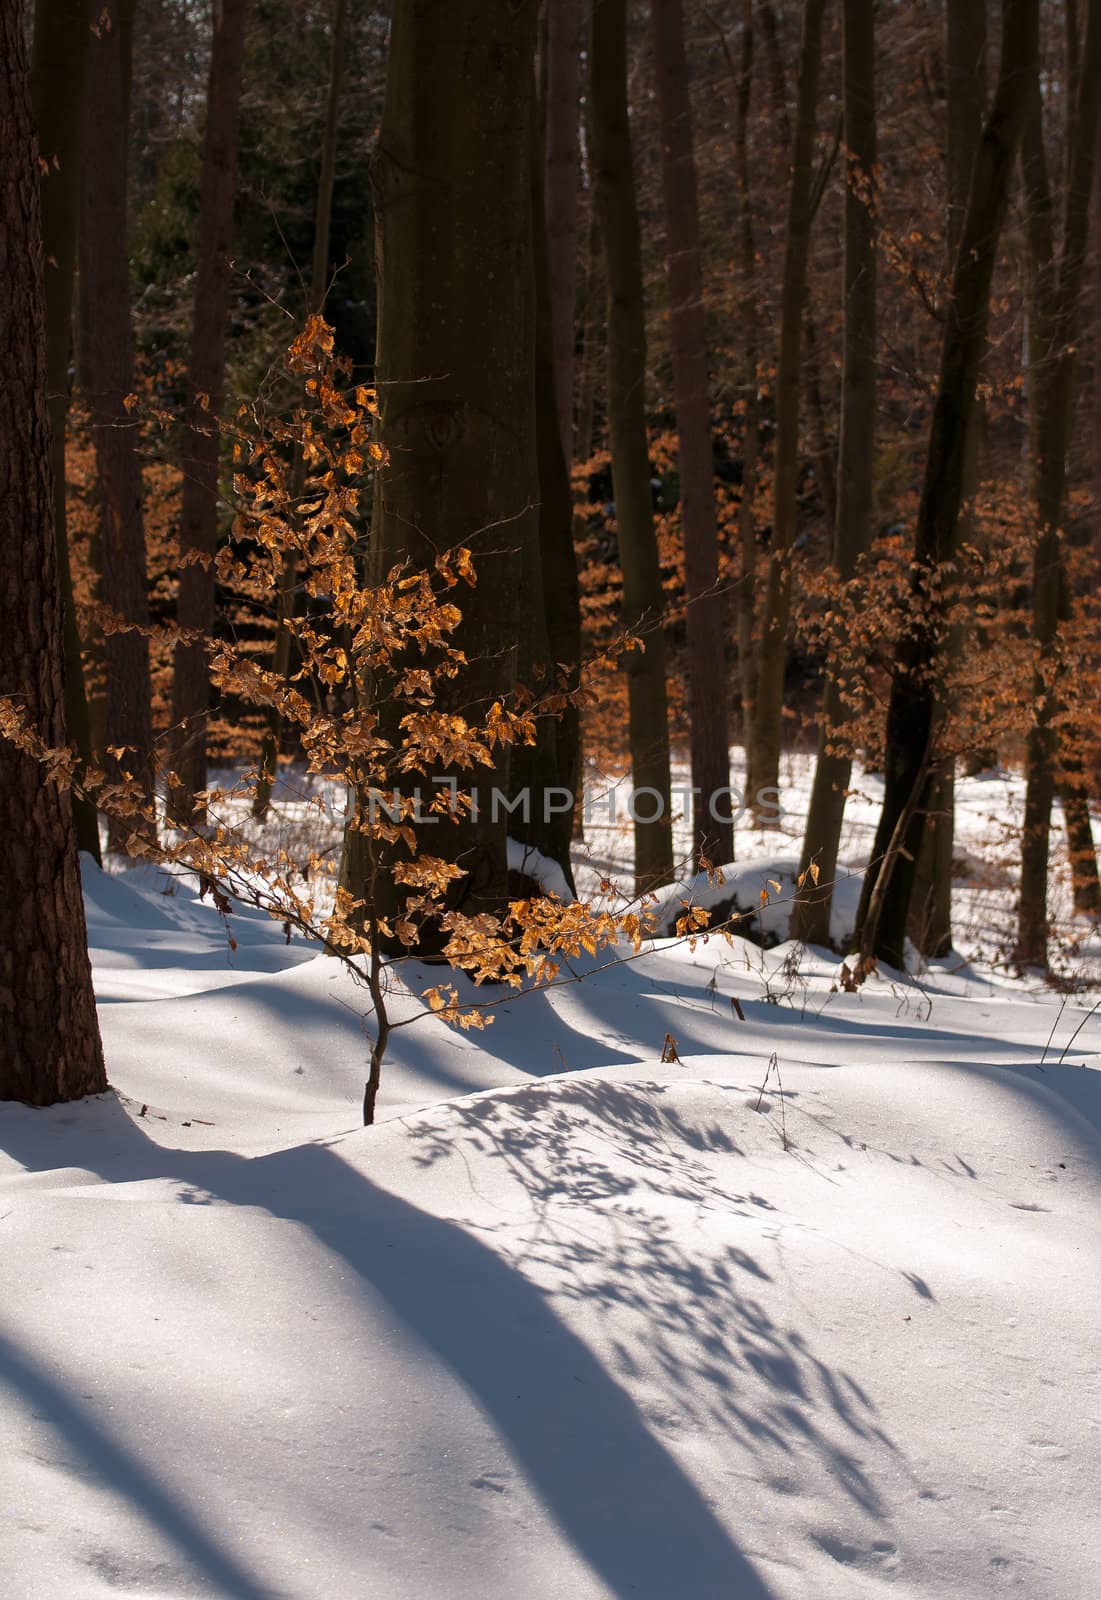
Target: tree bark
x=592, y=329
x=565, y=31
x=129, y=720
x=764, y=770
x=199, y=508
x=643, y=600
x=822, y=444
x=1056, y=295
x=909, y=753
x=59, y=83
x=451, y=181
x=49, y=1036
x=855, y=505
x=708, y=701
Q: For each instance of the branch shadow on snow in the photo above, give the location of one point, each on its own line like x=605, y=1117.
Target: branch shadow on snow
x=701, y=1337
x=690, y=1331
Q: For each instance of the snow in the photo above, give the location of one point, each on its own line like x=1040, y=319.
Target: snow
x=532, y=863
x=760, y=893
x=570, y=1321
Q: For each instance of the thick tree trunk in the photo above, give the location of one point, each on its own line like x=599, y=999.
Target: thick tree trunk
x=49, y=1035
x=565, y=31
x=59, y=80
x=764, y=772
x=855, y=506
x=643, y=599
x=455, y=367
x=543, y=777
x=930, y=922
x=129, y=719
x=708, y=703
x=199, y=509
x=1056, y=296
x=319, y=284
x=910, y=757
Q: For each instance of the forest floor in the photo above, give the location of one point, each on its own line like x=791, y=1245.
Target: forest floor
x=809, y=1312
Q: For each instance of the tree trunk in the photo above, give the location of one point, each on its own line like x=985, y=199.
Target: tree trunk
x=118, y=469
x=713, y=835
x=1081, y=850
x=199, y=509
x=1056, y=295
x=543, y=777
x=643, y=600
x=451, y=181
x=855, y=505
x=824, y=450
x=592, y=330
x=59, y=81
x=49, y=1034
x=909, y=755
x=562, y=171
x=319, y=284
x=764, y=770
x=746, y=590
x=930, y=922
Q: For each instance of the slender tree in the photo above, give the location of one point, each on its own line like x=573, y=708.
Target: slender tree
x=745, y=597
x=713, y=836
x=129, y=721
x=451, y=181
x=855, y=505
x=930, y=922
x=764, y=754
x=565, y=29
x=1056, y=283
x=626, y=397
x=49, y=1036
x=199, y=510
x=59, y=81
x=910, y=756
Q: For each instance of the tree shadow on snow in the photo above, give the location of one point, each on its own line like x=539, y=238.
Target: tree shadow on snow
x=110, y=1464
x=619, y=1497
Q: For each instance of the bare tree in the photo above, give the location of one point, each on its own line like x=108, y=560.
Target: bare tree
x=638, y=552
x=910, y=755
x=764, y=753
x=713, y=837
x=565, y=29
x=1057, y=279
x=855, y=504
x=930, y=919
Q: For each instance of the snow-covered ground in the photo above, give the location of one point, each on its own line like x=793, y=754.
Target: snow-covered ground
x=809, y=1312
